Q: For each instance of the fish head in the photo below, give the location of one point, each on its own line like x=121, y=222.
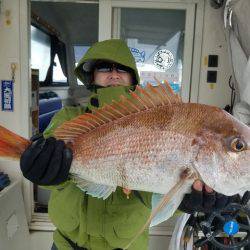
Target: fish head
x=223, y=158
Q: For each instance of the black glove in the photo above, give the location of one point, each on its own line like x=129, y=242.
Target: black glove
x=46, y=161
x=201, y=201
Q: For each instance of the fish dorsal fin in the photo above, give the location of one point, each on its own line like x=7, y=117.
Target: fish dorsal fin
x=138, y=100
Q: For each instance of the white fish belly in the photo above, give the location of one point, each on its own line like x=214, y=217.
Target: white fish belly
x=135, y=172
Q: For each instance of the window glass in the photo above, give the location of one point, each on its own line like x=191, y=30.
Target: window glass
x=79, y=52
x=58, y=76
x=40, y=57
x=156, y=39
x=40, y=52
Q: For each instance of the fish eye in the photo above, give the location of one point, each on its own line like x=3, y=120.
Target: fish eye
x=237, y=145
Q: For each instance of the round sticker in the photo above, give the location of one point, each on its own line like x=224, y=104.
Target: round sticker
x=163, y=59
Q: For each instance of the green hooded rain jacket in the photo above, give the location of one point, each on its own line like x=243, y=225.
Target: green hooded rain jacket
x=97, y=224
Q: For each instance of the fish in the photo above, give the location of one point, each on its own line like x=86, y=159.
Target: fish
x=147, y=141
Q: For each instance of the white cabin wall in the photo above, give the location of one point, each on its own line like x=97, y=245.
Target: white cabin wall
x=14, y=49
x=14, y=46
x=214, y=43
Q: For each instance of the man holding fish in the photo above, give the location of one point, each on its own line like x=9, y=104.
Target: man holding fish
x=107, y=69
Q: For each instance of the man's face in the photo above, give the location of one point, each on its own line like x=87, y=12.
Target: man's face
x=112, y=74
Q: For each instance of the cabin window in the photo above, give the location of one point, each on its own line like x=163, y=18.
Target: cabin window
x=156, y=40
x=48, y=54
x=40, y=51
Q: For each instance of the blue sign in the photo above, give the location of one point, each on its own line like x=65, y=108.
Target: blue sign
x=7, y=95
x=231, y=227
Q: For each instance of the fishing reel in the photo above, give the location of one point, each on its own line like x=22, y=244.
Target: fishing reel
x=227, y=228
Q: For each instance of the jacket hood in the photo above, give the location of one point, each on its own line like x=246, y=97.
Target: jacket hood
x=115, y=50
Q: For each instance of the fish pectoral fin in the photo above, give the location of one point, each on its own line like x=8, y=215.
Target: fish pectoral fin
x=168, y=210
x=185, y=176
x=162, y=207
x=94, y=189
x=98, y=190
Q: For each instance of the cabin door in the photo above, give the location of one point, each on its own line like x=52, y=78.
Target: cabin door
x=161, y=37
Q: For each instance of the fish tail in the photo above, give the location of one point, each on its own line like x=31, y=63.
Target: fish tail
x=11, y=144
